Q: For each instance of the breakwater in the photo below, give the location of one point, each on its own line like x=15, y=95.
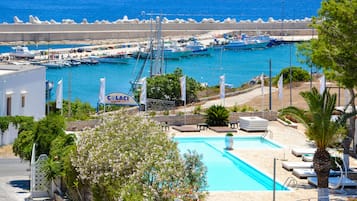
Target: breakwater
x=126, y=31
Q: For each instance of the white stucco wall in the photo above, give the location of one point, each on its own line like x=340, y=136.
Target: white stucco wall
x=28, y=81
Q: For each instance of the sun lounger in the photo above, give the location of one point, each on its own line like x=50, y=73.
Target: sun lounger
x=307, y=157
x=295, y=165
x=303, y=173
x=334, y=182
x=186, y=128
x=300, y=151
x=222, y=129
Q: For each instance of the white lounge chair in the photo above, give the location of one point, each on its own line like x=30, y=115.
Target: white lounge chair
x=300, y=151
x=334, y=182
x=295, y=165
x=303, y=173
x=307, y=157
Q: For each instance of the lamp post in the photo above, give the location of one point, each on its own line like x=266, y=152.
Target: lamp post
x=270, y=80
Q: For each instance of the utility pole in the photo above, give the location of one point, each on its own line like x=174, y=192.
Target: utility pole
x=290, y=76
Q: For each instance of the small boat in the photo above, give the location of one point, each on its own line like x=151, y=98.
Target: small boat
x=74, y=62
x=120, y=58
x=89, y=61
x=196, y=48
x=21, y=52
x=245, y=42
x=56, y=64
x=169, y=51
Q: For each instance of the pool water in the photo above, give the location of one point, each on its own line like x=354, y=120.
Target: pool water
x=227, y=172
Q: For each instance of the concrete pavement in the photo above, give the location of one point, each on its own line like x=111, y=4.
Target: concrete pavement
x=14, y=179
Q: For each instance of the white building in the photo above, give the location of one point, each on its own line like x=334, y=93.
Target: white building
x=22, y=93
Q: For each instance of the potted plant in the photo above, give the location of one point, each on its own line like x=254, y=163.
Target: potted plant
x=229, y=141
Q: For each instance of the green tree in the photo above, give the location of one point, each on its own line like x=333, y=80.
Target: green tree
x=167, y=87
x=129, y=157
x=335, y=48
x=45, y=131
x=320, y=129
x=217, y=115
x=297, y=75
x=304, y=51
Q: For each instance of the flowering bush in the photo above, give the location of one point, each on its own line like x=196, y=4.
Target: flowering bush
x=128, y=157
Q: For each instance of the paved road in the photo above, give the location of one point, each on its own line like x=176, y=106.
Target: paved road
x=14, y=179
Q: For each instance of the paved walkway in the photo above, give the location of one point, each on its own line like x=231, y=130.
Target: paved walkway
x=14, y=179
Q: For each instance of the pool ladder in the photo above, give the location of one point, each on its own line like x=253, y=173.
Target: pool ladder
x=290, y=182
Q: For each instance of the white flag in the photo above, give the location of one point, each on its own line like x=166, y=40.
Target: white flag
x=222, y=86
x=280, y=87
x=102, y=91
x=143, y=93
x=183, y=88
x=322, y=83
x=59, y=95
x=262, y=83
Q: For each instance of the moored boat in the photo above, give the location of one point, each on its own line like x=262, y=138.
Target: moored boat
x=120, y=58
x=21, y=52
x=196, y=48
x=245, y=42
x=56, y=64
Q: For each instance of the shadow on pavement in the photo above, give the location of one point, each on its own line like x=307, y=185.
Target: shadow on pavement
x=23, y=184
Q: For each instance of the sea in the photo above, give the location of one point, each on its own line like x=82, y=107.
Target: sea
x=239, y=67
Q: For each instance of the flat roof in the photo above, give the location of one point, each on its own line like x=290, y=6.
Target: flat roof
x=6, y=69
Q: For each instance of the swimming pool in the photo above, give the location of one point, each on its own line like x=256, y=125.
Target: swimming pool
x=227, y=172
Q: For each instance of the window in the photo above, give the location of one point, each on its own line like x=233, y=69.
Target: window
x=23, y=100
x=8, y=106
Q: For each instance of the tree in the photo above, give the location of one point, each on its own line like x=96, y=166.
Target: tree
x=320, y=129
x=297, y=75
x=335, y=50
x=304, y=52
x=167, y=87
x=45, y=131
x=42, y=133
x=128, y=157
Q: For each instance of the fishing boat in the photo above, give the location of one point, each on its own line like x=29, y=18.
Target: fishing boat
x=21, y=52
x=169, y=50
x=89, y=61
x=196, y=48
x=56, y=64
x=120, y=58
x=245, y=42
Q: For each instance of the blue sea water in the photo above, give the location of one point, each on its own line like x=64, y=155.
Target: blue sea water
x=197, y=9
x=238, y=66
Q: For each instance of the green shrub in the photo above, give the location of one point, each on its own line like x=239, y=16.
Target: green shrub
x=217, y=115
x=197, y=109
x=298, y=75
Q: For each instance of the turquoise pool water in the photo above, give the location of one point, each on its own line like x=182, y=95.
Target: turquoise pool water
x=227, y=172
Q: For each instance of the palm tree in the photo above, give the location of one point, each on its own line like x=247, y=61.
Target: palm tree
x=320, y=129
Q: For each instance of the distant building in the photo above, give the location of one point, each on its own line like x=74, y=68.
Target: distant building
x=22, y=93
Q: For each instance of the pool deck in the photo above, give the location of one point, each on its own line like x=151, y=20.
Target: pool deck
x=263, y=160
